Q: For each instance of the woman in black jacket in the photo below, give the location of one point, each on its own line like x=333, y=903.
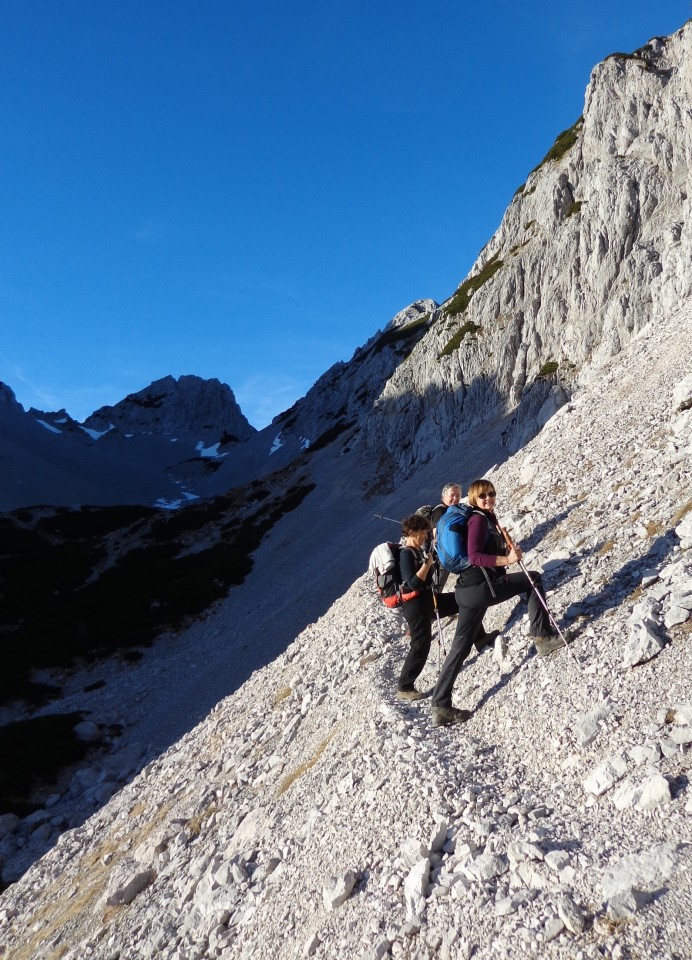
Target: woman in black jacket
x=416, y=567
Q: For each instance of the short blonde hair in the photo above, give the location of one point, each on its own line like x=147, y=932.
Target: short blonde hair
x=478, y=487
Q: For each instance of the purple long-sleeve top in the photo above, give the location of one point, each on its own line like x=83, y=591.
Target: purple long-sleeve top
x=477, y=537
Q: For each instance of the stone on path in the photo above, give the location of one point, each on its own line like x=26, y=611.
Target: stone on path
x=127, y=880
x=338, y=890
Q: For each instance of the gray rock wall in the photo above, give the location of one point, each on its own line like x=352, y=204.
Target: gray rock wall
x=592, y=246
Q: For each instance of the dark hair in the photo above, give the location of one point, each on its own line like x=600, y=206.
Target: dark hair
x=414, y=523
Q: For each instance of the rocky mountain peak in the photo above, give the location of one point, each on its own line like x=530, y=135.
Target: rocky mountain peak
x=414, y=313
x=343, y=397
x=7, y=397
x=187, y=405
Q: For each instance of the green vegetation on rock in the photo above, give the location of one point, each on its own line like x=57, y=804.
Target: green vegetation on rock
x=402, y=335
x=468, y=328
x=462, y=297
x=636, y=57
x=563, y=143
x=548, y=369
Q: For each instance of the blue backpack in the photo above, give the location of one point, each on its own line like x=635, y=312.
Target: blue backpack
x=451, y=538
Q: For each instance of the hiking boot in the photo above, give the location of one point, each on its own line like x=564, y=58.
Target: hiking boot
x=547, y=645
x=411, y=694
x=441, y=716
x=486, y=640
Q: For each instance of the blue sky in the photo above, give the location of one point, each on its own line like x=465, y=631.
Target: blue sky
x=249, y=190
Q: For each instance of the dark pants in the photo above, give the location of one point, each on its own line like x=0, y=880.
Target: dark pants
x=419, y=614
x=473, y=601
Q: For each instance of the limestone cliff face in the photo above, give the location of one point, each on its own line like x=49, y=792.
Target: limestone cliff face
x=594, y=245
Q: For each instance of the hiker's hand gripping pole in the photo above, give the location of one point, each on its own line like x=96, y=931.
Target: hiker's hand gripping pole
x=512, y=546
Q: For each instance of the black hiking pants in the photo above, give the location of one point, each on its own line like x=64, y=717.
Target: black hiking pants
x=473, y=601
x=419, y=614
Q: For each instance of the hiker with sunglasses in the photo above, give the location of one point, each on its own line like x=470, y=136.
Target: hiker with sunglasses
x=486, y=582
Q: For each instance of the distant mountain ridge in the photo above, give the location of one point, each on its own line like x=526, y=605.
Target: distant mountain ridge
x=149, y=448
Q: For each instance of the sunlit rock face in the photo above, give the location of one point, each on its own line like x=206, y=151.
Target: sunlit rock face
x=594, y=244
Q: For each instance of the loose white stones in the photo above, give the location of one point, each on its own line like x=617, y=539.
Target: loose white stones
x=313, y=814
x=126, y=881
x=605, y=775
x=649, y=793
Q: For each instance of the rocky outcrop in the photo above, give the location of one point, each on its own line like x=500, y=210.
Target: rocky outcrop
x=168, y=406
x=593, y=246
x=8, y=398
x=342, y=399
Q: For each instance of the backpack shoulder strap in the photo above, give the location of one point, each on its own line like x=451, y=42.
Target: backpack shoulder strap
x=492, y=532
x=458, y=513
x=437, y=512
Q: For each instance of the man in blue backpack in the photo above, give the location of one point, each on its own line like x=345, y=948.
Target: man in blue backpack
x=451, y=495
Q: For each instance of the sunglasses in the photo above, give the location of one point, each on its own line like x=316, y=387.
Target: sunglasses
x=486, y=495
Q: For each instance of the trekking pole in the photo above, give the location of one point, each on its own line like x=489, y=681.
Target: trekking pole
x=538, y=593
x=391, y=519
x=441, y=649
